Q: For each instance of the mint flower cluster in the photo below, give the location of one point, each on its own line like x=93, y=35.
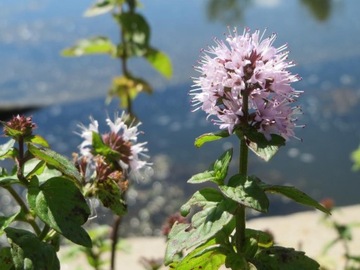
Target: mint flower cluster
x=121, y=145
x=247, y=69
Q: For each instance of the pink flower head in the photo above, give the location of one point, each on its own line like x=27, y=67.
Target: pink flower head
x=247, y=64
x=122, y=139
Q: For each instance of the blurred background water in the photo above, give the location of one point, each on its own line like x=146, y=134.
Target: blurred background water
x=323, y=37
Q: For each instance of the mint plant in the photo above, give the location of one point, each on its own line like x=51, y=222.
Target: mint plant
x=245, y=85
x=57, y=189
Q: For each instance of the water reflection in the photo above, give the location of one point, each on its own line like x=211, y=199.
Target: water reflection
x=231, y=12
x=320, y=9
x=227, y=11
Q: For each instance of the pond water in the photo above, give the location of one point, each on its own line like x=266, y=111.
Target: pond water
x=323, y=38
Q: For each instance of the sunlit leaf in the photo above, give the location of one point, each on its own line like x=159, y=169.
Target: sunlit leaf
x=29, y=252
x=295, y=195
x=355, y=157
x=6, y=148
x=160, y=62
x=248, y=194
x=56, y=160
x=61, y=205
x=216, y=213
x=209, y=137
x=100, y=8
x=37, y=139
x=96, y=45
x=6, y=221
x=217, y=171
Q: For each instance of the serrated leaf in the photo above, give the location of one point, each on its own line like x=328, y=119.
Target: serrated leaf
x=248, y=193
x=61, y=205
x=6, y=148
x=209, y=137
x=216, y=213
x=95, y=45
x=160, y=62
x=100, y=8
x=29, y=253
x=217, y=171
x=295, y=195
x=56, y=160
x=275, y=258
x=6, y=262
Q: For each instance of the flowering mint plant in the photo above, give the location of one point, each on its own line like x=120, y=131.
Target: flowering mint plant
x=56, y=189
x=245, y=87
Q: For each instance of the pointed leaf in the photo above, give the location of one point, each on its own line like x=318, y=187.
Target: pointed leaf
x=6, y=221
x=96, y=45
x=100, y=8
x=28, y=252
x=8, y=180
x=274, y=258
x=216, y=213
x=262, y=147
x=37, y=139
x=61, y=205
x=248, y=194
x=295, y=195
x=209, y=137
x=217, y=171
x=56, y=160
x=6, y=148
x=160, y=61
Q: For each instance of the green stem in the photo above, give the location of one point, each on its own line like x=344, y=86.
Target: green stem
x=28, y=216
x=240, y=217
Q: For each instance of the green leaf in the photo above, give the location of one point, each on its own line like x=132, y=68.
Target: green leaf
x=263, y=239
x=216, y=213
x=6, y=221
x=295, y=195
x=8, y=180
x=29, y=253
x=33, y=166
x=6, y=262
x=100, y=8
x=235, y=261
x=61, y=205
x=110, y=195
x=103, y=149
x=262, y=147
x=37, y=139
x=209, y=137
x=95, y=45
x=203, y=258
x=136, y=34
x=248, y=193
x=160, y=62
x=355, y=157
x=56, y=160
x=275, y=258
x=6, y=149
x=217, y=171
